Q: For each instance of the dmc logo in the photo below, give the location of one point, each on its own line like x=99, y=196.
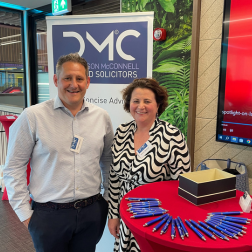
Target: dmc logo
x=108, y=41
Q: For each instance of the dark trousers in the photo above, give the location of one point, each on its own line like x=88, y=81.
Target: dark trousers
x=68, y=230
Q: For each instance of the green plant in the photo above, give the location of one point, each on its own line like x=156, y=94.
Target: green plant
x=171, y=58
x=172, y=65
x=177, y=111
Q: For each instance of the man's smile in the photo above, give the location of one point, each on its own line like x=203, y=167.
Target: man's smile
x=70, y=91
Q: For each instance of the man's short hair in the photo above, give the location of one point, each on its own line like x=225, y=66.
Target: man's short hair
x=71, y=57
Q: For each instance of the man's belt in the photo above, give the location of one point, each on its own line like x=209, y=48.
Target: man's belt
x=75, y=204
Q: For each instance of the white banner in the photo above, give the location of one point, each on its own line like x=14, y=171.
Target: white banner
x=117, y=47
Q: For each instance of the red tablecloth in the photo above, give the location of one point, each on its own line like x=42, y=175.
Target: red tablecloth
x=167, y=192
x=7, y=121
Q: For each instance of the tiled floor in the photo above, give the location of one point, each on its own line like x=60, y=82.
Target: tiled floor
x=14, y=236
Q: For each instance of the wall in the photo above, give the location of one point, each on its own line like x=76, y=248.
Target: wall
x=207, y=91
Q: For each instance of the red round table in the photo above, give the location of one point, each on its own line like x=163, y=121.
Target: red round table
x=7, y=121
x=167, y=193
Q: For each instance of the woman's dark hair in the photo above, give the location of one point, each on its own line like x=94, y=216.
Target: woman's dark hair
x=159, y=91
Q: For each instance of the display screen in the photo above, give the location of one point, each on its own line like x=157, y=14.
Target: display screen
x=234, y=120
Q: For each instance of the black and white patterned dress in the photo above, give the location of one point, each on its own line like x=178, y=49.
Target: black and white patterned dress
x=168, y=158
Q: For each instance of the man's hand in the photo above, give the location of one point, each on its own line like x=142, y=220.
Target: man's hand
x=113, y=225
x=26, y=222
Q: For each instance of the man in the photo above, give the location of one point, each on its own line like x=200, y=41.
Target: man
x=68, y=142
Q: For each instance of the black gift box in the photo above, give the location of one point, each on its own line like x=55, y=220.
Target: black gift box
x=207, y=186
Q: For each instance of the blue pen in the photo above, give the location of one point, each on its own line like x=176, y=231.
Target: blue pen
x=217, y=233
x=144, y=202
x=236, y=219
x=233, y=224
x=183, y=226
x=141, y=199
x=137, y=213
x=203, y=229
x=145, y=208
x=222, y=217
x=135, y=210
x=173, y=232
x=144, y=215
x=195, y=230
x=230, y=217
x=153, y=221
x=164, y=229
x=148, y=210
x=228, y=228
x=179, y=229
x=147, y=204
x=226, y=213
x=232, y=229
x=160, y=223
x=222, y=230
x=143, y=212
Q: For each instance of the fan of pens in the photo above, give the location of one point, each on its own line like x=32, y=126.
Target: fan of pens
x=146, y=207
x=220, y=224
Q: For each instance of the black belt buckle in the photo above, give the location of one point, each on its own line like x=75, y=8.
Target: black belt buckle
x=75, y=204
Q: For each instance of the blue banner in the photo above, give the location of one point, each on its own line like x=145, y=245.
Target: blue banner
x=116, y=52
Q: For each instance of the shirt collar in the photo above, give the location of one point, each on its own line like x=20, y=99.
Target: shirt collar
x=58, y=104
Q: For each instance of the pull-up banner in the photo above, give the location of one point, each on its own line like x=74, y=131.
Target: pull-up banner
x=117, y=47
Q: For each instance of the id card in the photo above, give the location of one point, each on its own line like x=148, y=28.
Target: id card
x=76, y=144
x=142, y=151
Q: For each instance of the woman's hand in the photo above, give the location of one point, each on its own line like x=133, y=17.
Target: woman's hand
x=113, y=225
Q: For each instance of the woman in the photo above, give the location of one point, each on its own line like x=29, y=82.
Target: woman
x=164, y=158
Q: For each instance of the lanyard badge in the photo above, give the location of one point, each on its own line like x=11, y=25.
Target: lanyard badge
x=146, y=147
x=76, y=144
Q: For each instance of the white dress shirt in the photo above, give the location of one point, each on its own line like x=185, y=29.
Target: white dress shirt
x=43, y=133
